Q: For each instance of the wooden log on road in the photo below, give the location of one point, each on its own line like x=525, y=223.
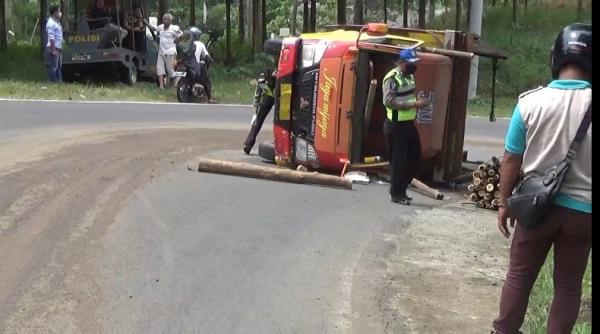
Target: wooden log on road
x=270, y=173
x=434, y=193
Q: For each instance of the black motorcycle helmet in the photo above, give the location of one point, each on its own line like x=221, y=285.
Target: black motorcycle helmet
x=573, y=45
x=196, y=33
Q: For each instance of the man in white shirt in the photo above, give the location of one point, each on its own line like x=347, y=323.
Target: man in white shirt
x=202, y=52
x=54, y=33
x=167, y=52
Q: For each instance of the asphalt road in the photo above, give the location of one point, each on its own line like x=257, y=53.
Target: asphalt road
x=102, y=228
x=482, y=138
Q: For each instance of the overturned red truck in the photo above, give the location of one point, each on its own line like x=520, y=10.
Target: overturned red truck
x=328, y=97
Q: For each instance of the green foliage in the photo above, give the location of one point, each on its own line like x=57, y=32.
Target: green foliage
x=24, y=15
x=21, y=61
x=528, y=44
x=279, y=15
x=215, y=20
x=240, y=51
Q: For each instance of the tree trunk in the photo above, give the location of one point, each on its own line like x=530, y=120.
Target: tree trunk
x=405, y=13
x=505, y=3
x=493, y=3
x=293, y=19
x=192, y=13
x=422, y=5
x=228, y=30
x=64, y=8
x=525, y=4
x=162, y=9
x=341, y=11
x=3, y=41
x=458, y=12
x=241, y=28
x=313, y=15
x=263, y=22
x=385, y=13
x=468, y=20
x=579, y=9
x=514, y=11
x=256, y=33
x=43, y=18
x=358, y=12
x=305, y=17
x=431, y=11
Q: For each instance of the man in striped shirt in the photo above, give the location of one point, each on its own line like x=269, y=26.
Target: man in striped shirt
x=54, y=46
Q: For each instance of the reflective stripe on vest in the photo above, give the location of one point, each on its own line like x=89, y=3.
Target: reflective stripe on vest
x=406, y=93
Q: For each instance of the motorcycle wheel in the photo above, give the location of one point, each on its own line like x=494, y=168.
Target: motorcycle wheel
x=184, y=91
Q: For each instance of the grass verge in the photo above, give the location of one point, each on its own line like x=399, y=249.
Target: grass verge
x=227, y=88
x=23, y=76
x=541, y=298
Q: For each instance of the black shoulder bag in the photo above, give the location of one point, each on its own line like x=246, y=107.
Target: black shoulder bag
x=532, y=197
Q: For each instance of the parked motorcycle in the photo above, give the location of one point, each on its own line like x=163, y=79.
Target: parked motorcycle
x=188, y=87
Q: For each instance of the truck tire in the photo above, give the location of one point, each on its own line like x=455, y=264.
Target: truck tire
x=273, y=47
x=68, y=76
x=129, y=74
x=266, y=150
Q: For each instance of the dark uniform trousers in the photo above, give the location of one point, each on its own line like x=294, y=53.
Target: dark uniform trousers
x=404, y=148
x=266, y=104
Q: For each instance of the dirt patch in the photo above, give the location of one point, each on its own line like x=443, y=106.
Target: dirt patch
x=54, y=208
x=437, y=271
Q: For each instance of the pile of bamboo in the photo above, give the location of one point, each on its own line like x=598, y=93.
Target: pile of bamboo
x=484, y=190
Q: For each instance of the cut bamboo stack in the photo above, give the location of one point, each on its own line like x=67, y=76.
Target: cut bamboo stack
x=484, y=190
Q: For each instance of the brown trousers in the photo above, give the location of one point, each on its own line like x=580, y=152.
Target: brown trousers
x=570, y=232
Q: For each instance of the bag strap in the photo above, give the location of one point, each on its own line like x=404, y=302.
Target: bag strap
x=581, y=132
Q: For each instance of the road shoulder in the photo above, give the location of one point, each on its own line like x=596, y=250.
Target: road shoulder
x=436, y=271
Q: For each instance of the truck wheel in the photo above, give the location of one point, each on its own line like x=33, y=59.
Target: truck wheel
x=129, y=75
x=273, y=47
x=68, y=76
x=266, y=150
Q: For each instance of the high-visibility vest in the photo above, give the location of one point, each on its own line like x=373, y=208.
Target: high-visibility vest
x=406, y=92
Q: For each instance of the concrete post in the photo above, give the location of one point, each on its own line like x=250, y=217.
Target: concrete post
x=475, y=27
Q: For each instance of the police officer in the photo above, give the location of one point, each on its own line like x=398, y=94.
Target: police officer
x=401, y=105
x=544, y=123
x=264, y=100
